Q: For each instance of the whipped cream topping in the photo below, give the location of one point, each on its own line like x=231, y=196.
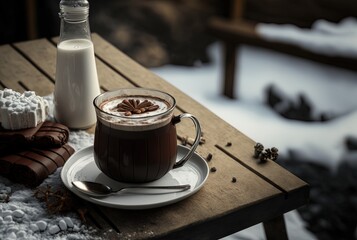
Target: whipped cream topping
x=111, y=106
x=149, y=119
x=18, y=111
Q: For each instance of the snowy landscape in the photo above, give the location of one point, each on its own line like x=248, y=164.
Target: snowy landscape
x=313, y=145
x=328, y=90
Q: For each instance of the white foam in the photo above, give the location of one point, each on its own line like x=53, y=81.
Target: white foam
x=136, y=122
x=110, y=106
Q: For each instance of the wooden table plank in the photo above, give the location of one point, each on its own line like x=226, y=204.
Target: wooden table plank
x=42, y=53
x=45, y=59
x=19, y=74
x=218, y=197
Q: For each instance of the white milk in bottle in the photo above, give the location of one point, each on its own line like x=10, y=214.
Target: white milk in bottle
x=76, y=73
x=76, y=83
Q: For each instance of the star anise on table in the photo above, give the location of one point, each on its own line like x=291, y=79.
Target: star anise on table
x=132, y=106
x=59, y=201
x=264, y=155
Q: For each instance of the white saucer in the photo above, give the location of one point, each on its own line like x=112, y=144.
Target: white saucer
x=81, y=166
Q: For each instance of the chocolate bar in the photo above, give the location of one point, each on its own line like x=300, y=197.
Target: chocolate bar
x=32, y=166
x=49, y=135
x=18, y=137
x=45, y=135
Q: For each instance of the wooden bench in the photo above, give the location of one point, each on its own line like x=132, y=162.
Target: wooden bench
x=236, y=31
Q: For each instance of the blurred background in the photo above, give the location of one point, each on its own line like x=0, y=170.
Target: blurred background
x=158, y=32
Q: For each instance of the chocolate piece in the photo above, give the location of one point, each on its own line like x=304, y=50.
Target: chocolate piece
x=29, y=171
x=50, y=135
x=17, y=137
x=32, y=166
x=6, y=164
x=45, y=135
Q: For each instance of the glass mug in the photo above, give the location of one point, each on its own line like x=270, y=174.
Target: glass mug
x=135, y=137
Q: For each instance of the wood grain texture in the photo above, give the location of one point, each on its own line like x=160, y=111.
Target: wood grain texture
x=42, y=53
x=19, y=74
x=261, y=191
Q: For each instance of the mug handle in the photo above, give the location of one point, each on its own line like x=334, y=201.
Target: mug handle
x=177, y=119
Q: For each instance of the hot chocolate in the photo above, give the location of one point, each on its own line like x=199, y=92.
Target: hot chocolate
x=135, y=137
x=138, y=156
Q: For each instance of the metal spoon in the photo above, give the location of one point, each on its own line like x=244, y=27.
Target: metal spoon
x=99, y=190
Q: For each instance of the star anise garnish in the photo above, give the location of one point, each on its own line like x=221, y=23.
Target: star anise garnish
x=132, y=106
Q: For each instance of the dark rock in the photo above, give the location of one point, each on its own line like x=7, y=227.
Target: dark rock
x=273, y=96
x=332, y=210
x=351, y=143
x=300, y=109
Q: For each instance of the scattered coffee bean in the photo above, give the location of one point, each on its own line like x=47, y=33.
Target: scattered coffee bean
x=228, y=144
x=184, y=141
x=189, y=141
x=192, y=140
x=234, y=179
x=202, y=140
x=258, y=149
x=269, y=153
x=263, y=157
x=213, y=169
x=274, y=153
x=209, y=157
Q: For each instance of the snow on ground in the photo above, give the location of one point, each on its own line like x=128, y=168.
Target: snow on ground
x=330, y=90
x=333, y=39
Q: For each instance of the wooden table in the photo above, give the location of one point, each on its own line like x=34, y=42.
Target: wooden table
x=262, y=192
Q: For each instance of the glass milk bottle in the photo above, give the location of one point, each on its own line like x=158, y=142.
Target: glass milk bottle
x=76, y=73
